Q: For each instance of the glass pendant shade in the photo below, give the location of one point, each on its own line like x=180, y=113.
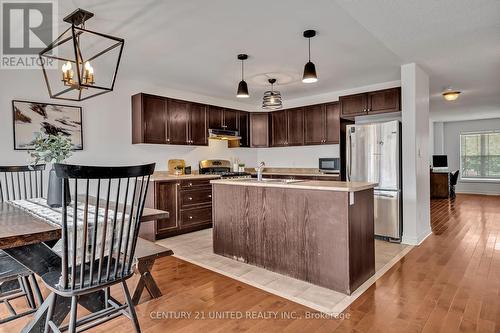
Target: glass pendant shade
x=81, y=63
x=242, y=90
x=309, y=73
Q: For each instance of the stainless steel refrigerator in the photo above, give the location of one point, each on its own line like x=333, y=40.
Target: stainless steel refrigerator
x=374, y=155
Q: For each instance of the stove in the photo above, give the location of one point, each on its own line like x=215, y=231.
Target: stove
x=220, y=168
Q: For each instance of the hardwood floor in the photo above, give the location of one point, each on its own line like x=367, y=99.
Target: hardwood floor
x=450, y=283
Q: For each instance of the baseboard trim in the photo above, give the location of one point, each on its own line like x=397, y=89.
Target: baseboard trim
x=416, y=241
x=478, y=193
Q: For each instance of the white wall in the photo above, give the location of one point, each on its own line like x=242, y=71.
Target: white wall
x=415, y=127
x=451, y=147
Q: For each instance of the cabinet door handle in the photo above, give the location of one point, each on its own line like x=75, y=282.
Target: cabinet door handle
x=368, y=110
x=190, y=184
x=190, y=198
x=190, y=217
x=168, y=140
x=209, y=195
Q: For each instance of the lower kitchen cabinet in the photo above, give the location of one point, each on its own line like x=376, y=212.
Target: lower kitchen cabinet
x=189, y=203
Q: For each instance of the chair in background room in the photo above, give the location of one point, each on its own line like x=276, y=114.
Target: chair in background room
x=98, y=243
x=16, y=281
x=453, y=182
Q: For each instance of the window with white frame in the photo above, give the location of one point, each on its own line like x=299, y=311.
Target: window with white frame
x=480, y=155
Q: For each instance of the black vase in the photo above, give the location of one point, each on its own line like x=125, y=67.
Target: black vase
x=54, y=192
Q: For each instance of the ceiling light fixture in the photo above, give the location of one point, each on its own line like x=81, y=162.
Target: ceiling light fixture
x=309, y=69
x=450, y=94
x=242, y=86
x=272, y=99
x=76, y=52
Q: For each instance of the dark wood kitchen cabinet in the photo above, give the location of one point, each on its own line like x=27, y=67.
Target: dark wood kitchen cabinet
x=259, y=130
x=322, y=124
x=295, y=127
x=278, y=128
x=373, y=102
x=178, y=122
x=287, y=127
x=388, y=100
x=189, y=203
x=221, y=118
x=243, y=131
x=149, y=119
x=198, y=132
x=162, y=120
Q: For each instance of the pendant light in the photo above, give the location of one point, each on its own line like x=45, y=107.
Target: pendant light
x=309, y=69
x=88, y=59
x=272, y=99
x=242, y=86
x=450, y=94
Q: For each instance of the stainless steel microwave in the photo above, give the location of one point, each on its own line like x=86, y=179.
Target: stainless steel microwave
x=329, y=165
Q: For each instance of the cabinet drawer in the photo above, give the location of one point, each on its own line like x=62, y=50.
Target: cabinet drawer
x=191, y=217
x=187, y=184
x=195, y=197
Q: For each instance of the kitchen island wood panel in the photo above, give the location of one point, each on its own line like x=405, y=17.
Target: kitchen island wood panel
x=312, y=235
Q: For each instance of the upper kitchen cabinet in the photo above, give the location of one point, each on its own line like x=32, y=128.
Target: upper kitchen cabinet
x=322, y=124
x=279, y=128
x=231, y=120
x=259, y=130
x=198, y=132
x=215, y=117
x=243, y=131
x=388, y=100
x=149, y=119
x=287, y=127
x=353, y=105
x=295, y=127
x=220, y=118
x=332, y=123
x=380, y=101
x=178, y=122
x=162, y=120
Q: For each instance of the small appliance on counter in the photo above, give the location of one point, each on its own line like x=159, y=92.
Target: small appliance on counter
x=221, y=168
x=329, y=165
x=176, y=167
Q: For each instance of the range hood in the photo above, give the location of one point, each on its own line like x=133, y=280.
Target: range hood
x=223, y=134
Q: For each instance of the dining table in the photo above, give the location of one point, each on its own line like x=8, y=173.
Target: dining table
x=30, y=239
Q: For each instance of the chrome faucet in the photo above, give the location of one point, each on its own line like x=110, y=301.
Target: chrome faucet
x=259, y=171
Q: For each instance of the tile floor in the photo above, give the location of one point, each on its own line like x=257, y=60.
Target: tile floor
x=196, y=248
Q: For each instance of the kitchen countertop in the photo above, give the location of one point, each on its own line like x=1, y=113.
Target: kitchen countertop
x=320, y=185
x=164, y=176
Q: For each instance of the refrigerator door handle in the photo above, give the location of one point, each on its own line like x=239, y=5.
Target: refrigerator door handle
x=349, y=152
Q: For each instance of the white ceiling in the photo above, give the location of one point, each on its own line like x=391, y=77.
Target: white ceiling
x=192, y=45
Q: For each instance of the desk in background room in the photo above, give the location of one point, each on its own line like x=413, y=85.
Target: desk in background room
x=440, y=184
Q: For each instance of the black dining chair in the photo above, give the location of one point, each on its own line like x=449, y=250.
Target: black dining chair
x=453, y=182
x=17, y=281
x=98, y=242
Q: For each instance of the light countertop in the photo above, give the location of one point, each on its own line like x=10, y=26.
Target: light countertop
x=164, y=176
x=312, y=172
x=320, y=185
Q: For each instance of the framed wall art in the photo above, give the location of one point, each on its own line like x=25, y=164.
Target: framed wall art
x=32, y=117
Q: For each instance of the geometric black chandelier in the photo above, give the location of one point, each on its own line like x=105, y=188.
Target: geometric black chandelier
x=81, y=63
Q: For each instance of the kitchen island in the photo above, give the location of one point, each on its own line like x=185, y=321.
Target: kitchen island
x=317, y=231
